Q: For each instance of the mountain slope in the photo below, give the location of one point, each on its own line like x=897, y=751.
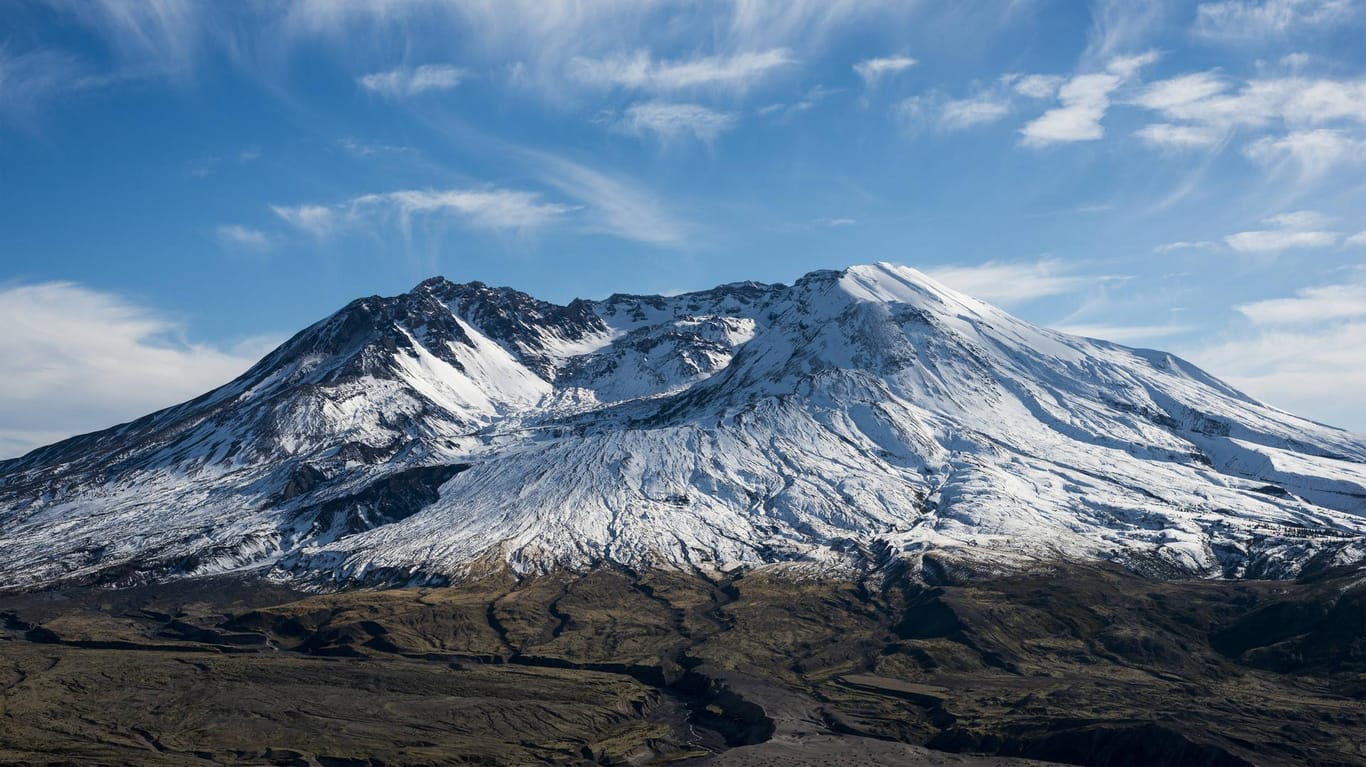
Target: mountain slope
x=852, y=419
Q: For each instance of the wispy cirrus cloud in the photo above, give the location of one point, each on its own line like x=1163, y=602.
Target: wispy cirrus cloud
x=1084, y=101
x=641, y=71
x=1301, y=369
x=1168, y=136
x=984, y=109
x=669, y=121
x=1261, y=19
x=875, y=69
x=1211, y=99
x=358, y=148
x=935, y=110
x=1309, y=126
x=157, y=38
x=1301, y=352
x=1169, y=247
x=404, y=81
x=317, y=220
x=1035, y=86
x=1312, y=304
x=242, y=237
x=31, y=80
x=1013, y=283
x=1296, y=230
x=484, y=208
x=601, y=204
x=76, y=359
x=1312, y=153
x=613, y=205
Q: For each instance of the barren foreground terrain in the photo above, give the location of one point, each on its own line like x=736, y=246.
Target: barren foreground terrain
x=1083, y=666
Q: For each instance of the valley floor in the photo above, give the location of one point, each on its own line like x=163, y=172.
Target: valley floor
x=1079, y=665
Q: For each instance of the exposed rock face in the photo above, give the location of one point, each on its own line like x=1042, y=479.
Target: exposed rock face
x=853, y=419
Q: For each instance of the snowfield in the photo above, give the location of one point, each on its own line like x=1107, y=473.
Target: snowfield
x=854, y=419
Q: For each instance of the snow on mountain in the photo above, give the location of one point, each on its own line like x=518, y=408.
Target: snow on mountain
x=852, y=419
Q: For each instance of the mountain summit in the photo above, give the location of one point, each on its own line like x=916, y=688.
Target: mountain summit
x=857, y=418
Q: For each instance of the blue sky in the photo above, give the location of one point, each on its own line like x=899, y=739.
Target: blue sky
x=183, y=184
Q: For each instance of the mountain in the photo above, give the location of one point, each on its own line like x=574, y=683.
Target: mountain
x=860, y=418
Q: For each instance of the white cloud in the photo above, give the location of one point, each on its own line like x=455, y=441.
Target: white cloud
x=1177, y=93
x=874, y=69
x=1128, y=66
x=1317, y=371
x=1317, y=123
x=29, y=81
x=76, y=359
x=968, y=113
x=756, y=23
x=1296, y=61
x=1184, y=245
x=836, y=221
x=1085, y=99
x=814, y=96
x=670, y=122
x=238, y=236
x=410, y=82
x=1168, y=136
x=358, y=148
x=317, y=220
x=1250, y=19
x=1296, y=101
x=1011, y=283
x=1118, y=26
x=934, y=110
x=1037, y=86
x=487, y=208
x=1313, y=152
x=1302, y=352
x=1358, y=239
x=1276, y=240
x=615, y=205
x=159, y=38
x=1298, y=219
x=1310, y=305
x=483, y=208
x=1290, y=230
x=640, y=71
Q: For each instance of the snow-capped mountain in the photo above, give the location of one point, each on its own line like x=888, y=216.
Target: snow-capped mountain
x=854, y=418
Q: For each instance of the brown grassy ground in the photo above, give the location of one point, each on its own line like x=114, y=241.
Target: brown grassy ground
x=1084, y=665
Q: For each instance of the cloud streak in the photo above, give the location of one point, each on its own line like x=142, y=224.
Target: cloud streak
x=1288, y=231
x=489, y=208
x=1084, y=101
x=613, y=205
x=403, y=81
x=640, y=71
x=242, y=237
x=1235, y=20
x=670, y=122
x=1310, y=305
x=1303, y=352
x=77, y=359
x=875, y=69
x=1012, y=283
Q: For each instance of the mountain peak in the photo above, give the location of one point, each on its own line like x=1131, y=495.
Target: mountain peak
x=858, y=418
x=890, y=283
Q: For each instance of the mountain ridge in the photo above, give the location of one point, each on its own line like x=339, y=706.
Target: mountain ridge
x=855, y=418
